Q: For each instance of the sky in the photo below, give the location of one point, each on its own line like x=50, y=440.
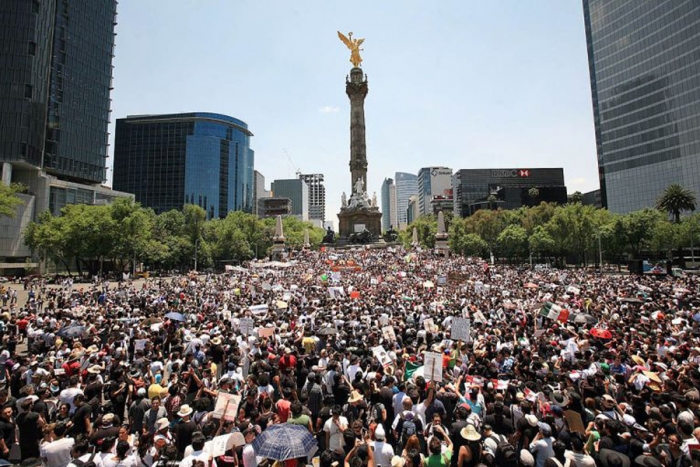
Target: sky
x=464, y=84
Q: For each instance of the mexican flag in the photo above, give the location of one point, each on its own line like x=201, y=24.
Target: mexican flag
x=550, y=310
x=410, y=369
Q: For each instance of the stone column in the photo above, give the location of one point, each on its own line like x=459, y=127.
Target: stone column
x=356, y=89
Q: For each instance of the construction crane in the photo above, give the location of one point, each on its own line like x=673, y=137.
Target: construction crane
x=291, y=162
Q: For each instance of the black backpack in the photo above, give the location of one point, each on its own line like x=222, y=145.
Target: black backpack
x=88, y=463
x=506, y=455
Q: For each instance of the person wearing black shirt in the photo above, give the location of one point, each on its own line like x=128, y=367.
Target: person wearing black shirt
x=7, y=431
x=80, y=423
x=29, y=424
x=184, y=430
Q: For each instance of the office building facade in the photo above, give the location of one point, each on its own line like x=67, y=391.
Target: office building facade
x=297, y=191
x=171, y=160
x=389, y=208
x=507, y=188
x=259, y=191
x=406, y=186
x=645, y=84
x=317, y=197
x=55, y=83
x=432, y=181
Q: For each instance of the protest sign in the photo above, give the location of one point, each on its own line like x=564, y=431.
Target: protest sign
x=388, y=333
x=573, y=419
x=429, y=325
x=381, y=355
x=140, y=344
x=266, y=332
x=432, y=371
x=219, y=445
x=247, y=326
x=460, y=329
x=226, y=406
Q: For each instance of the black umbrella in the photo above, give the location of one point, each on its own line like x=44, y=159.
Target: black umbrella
x=71, y=332
x=327, y=331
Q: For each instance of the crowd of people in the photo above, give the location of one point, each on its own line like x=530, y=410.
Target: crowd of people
x=557, y=367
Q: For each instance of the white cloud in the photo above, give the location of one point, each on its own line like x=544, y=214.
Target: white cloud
x=327, y=109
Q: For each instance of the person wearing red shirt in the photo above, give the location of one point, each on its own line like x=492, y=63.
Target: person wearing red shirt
x=287, y=361
x=284, y=406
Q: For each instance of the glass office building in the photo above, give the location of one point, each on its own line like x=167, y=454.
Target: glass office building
x=406, y=186
x=167, y=161
x=55, y=80
x=645, y=82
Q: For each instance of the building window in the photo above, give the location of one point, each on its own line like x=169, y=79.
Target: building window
x=28, y=91
x=31, y=48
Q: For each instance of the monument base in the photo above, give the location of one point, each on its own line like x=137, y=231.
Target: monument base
x=278, y=250
x=442, y=248
x=356, y=220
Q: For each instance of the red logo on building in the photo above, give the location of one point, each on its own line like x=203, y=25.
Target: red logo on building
x=523, y=173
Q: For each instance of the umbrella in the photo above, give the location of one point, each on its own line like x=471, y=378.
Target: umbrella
x=283, y=442
x=71, y=332
x=327, y=331
x=583, y=318
x=601, y=333
x=175, y=316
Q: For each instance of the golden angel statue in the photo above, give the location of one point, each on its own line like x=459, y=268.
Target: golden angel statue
x=354, y=46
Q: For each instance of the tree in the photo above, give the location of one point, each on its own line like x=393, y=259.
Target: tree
x=676, y=199
x=533, y=193
x=9, y=201
x=576, y=197
x=639, y=229
x=426, y=227
x=473, y=245
x=492, y=200
x=512, y=242
x=540, y=242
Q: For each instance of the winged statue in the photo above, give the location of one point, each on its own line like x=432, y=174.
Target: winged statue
x=354, y=46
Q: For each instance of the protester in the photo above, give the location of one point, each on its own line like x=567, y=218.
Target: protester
x=366, y=351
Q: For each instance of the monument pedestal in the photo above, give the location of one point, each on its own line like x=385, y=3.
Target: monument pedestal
x=442, y=248
x=356, y=220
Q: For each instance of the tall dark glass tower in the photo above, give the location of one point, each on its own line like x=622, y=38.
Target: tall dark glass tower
x=168, y=161
x=55, y=80
x=645, y=80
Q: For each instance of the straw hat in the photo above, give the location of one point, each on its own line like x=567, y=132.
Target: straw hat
x=355, y=396
x=469, y=433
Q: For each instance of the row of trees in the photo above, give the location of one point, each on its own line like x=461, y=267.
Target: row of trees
x=124, y=234
x=572, y=231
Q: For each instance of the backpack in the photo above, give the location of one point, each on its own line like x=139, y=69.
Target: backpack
x=408, y=429
x=506, y=455
x=88, y=463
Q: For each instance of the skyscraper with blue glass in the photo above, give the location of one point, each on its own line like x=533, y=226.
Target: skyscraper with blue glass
x=168, y=161
x=645, y=81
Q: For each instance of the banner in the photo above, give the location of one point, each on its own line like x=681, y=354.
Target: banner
x=409, y=369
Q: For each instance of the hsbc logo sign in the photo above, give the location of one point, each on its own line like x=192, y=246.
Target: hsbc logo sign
x=510, y=173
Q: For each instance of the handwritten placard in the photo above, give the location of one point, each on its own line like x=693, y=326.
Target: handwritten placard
x=266, y=332
x=432, y=371
x=226, y=406
x=247, y=326
x=460, y=329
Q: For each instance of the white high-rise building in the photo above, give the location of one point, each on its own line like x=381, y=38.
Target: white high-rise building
x=406, y=186
x=432, y=181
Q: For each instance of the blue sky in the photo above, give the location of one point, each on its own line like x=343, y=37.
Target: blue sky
x=463, y=84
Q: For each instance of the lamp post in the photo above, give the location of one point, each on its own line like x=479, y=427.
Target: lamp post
x=196, y=245
x=600, y=252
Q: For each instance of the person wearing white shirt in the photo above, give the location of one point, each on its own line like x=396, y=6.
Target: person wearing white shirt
x=82, y=453
x=198, y=453
x=383, y=452
x=249, y=457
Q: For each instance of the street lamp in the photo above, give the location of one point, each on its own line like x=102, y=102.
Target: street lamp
x=196, y=244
